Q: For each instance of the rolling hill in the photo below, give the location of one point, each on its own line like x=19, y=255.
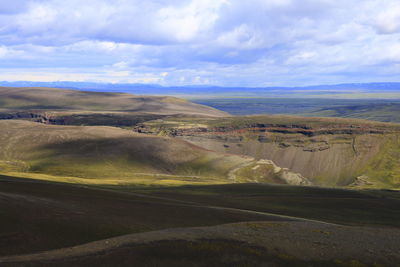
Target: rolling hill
x=349, y=90
x=279, y=149
x=54, y=99
x=100, y=154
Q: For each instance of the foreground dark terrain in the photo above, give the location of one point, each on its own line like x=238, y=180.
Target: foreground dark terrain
x=321, y=229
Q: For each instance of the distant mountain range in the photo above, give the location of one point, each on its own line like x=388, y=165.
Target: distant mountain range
x=352, y=90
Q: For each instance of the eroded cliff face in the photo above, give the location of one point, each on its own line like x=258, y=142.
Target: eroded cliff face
x=328, y=156
x=116, y=119
x=331, y=160
x=41, y=117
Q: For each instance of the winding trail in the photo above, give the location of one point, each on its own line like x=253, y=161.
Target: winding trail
x=191, y=204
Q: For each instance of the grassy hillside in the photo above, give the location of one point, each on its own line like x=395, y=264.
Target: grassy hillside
x=304, y=150
x=385, y=112
x=384, y=168
x=60, y=99
x=112, y=154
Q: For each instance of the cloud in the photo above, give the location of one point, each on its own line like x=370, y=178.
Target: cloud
x=223, y=42
x=12, y=7
x=383, y=16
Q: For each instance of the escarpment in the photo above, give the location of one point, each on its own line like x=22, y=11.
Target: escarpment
x=333, y=154
x=120, y=119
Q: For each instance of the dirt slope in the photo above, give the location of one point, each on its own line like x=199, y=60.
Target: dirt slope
x=327, y=151
x=286, y=244
x=151, y=229
x=38, y=216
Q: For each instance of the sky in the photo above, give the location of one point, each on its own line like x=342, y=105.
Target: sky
x=201, y=42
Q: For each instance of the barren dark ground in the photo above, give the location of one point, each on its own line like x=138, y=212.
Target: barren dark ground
x=39, y=216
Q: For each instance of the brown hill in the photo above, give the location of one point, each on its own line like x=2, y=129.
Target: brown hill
x=18, y=99
x=101, y=152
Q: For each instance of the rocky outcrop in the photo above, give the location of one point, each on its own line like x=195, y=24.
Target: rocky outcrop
x=361, y=180
x=267, y=128
x=286, y=175
x=32, y=116
x=19, y=115
x=74, y=118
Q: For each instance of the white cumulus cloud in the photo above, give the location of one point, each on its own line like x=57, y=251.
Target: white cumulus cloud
x=223, y=42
